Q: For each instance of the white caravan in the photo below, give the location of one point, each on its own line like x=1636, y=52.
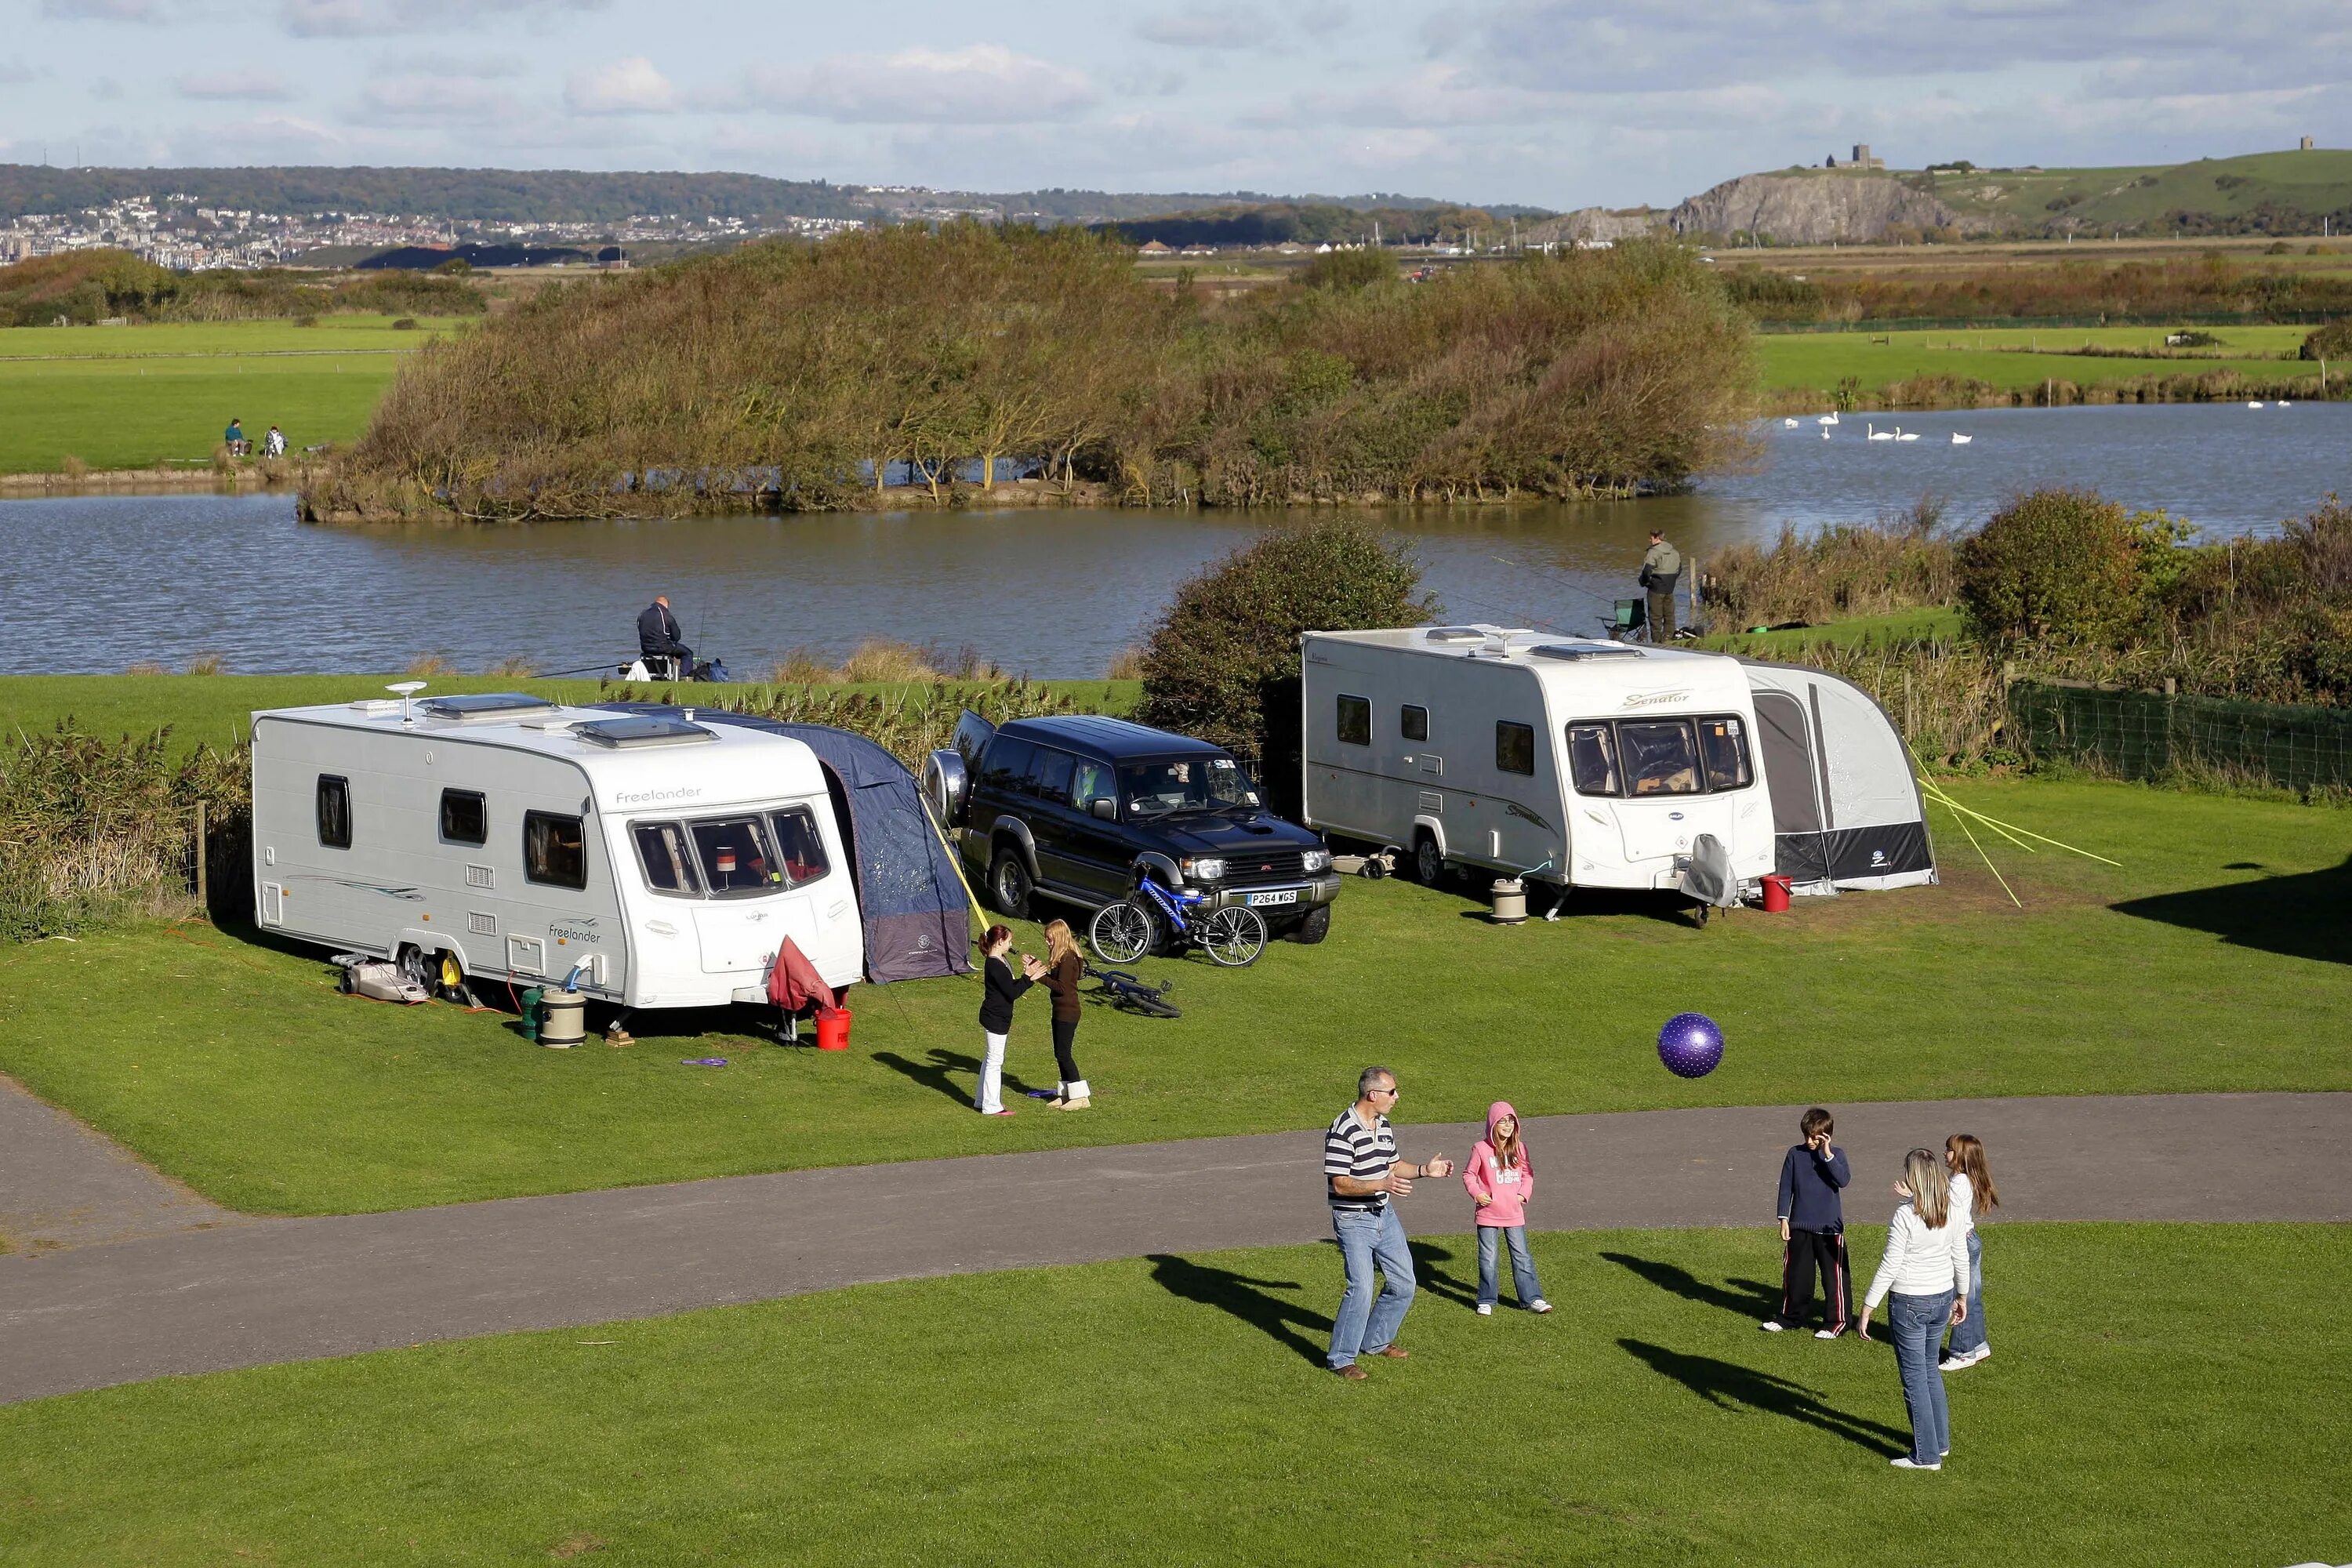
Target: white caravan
x=1561, y=759
x=660, y=859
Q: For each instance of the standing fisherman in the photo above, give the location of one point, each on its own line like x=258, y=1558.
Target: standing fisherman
x=1660, y=569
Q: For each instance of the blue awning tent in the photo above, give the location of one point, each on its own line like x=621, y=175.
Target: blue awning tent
x=909, y=897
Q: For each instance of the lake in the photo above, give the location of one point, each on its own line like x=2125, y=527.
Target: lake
x=97, y=584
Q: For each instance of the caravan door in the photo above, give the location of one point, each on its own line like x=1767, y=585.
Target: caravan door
x=1674, y=771
x=1792, y=768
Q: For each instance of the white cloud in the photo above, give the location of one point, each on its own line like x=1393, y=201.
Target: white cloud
x=14, y=70
x=631, y=86
x=246, y=85
x=980, y=83
x=375, y=18
x=1207, y=27
x=422, y=96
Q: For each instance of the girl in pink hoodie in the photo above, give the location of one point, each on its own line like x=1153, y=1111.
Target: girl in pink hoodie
x=1500, y=1181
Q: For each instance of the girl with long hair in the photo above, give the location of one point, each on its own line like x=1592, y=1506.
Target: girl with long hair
x=1500, y=1180
x=1924, y=1276
x=1972, y=1193
x=999, y=991
x=1062, y=973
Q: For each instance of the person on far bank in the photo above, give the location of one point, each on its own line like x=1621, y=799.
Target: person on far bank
x=1812, y=1230
x=1660, y=568
x=1500, y=1181
x=657, y=638
x=1062, y=976
x=1923, y=1280
x=1363, y=1178
x=1972, y=1193
x=233, y=438
x=999, y=991
x=274, y=444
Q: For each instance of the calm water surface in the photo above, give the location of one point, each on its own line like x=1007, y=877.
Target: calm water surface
x=101, y=582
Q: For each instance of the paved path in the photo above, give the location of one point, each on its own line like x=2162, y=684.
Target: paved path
x=275, y=1290
x=63, y=1186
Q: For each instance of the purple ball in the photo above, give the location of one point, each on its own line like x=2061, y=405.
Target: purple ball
x=1690, y=1045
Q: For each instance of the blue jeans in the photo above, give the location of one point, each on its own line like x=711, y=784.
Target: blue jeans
x=1522, y=1267
x=1968, y=1337
x=1365, y=1325
x=1918, y=1324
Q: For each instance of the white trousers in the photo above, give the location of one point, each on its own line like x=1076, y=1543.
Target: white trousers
x=991, y=1077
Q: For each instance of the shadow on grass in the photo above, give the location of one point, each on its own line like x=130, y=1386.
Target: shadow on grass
x=1727, y=1384
x=2297, y=915
x=1750, y=1297
x=1244, y=1296
x=1426, y=1256
x=952, y=1073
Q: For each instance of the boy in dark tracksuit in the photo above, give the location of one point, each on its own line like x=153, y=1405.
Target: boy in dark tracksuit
x=1812, y=1231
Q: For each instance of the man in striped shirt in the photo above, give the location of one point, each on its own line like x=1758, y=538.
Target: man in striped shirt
x=1360, y=1174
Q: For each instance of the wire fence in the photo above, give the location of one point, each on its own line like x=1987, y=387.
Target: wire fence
x=2149, y=735
x=2054, y=323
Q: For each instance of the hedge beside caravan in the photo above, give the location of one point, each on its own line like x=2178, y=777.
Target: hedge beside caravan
x=658, y=860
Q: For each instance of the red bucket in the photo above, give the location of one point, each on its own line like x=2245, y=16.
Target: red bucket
x=1776, y=895
x=833, y=1028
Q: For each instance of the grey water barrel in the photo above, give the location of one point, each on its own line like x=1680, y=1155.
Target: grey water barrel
x=561, y=1015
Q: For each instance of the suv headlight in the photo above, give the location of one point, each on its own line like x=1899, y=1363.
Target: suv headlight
x=1316, y=860
x=1209, y=870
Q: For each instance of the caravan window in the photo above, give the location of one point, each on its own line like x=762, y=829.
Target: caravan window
x=1722, y=746
x=799, y=847
x=465, y=819
x=669, y=866
x=1592, y=759
x=732, y=854
x=1661, y=757
x=1356, y=721
x=334, y=811
x=554, y=850
x=1515, y=747
x=1412, y=722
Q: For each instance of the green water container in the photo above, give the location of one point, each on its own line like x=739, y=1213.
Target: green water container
x=530, y=999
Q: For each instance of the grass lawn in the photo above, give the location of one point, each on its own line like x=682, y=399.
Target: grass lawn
x=236, y=1067
x=1170, y=1410
x=124, y=397
x=1823, y=359
x=1898, y=626
x=214, y=710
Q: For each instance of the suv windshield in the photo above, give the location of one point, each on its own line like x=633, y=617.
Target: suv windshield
x=1208, y=783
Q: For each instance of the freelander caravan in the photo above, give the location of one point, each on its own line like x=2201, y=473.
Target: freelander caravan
x=662, y=860
x=1561, y=759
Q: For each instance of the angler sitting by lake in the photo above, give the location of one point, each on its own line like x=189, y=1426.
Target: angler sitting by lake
x=657, y=638
x=234, y=439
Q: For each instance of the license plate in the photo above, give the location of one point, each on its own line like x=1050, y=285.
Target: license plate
x=1263, y=901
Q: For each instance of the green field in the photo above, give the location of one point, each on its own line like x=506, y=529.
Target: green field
x=1897, y=626
x=2319, y=181
x=2161, y=1397
x=237, y=1068
x=127, y=397
x=1820, y=360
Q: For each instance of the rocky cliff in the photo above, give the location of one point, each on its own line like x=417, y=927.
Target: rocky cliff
x=1594, y=226
x=1812, y=208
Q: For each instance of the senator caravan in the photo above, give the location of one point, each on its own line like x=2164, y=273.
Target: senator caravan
x=659, y=860
x=1561, y=759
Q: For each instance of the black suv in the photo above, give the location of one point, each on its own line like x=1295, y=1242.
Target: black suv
x=1082, y=808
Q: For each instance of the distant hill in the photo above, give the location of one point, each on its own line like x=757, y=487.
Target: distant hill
x=562, y=196
x=2262, y=193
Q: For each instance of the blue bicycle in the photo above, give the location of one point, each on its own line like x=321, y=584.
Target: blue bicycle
x=1151, y=917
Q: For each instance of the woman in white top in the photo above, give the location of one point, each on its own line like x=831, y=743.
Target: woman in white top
x=1927, y=1271
x=1972, y=1193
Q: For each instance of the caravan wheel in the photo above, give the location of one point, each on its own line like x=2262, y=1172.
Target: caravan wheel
x=1428, y=862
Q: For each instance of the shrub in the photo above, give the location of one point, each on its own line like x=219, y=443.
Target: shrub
x=1222, y=662
x=405, y=324
x=2057, y=564
x=1901, y=561
x=2333, y=341
x=1348, y=270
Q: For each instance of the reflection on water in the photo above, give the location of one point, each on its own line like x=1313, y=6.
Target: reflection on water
x=101, y=582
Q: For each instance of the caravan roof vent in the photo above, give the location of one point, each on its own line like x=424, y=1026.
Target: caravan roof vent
x=1454, y=634
x=486, y=705
x=1585, y=650
x=643, y=730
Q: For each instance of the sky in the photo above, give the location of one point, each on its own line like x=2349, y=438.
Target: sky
x=1557, y=103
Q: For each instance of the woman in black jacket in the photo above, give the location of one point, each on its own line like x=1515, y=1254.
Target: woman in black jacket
x=1000, y=991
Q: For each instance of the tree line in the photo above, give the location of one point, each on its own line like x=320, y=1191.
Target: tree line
x=1281, y=223
x=815, y=376
x=82, y=287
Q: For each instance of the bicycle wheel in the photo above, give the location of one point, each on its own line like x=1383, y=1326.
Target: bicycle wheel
x=1234, y=936
x=1122, y=932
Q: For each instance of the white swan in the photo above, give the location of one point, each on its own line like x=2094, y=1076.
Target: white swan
x=1788, y=424
x=1829, y=418
x=2282, y=403
x=1960, y=440
x=1900, y=435
x=1826, y=432
x=1876, y=434
x=2252, y=403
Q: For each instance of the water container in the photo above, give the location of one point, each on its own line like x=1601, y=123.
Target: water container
x=1510, y=895
x=1776, y=895
x=562, y=1021
x=832, y=1030
x=529, y=1000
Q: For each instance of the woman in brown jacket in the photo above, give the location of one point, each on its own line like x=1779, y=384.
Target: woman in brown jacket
x=1063, y=971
